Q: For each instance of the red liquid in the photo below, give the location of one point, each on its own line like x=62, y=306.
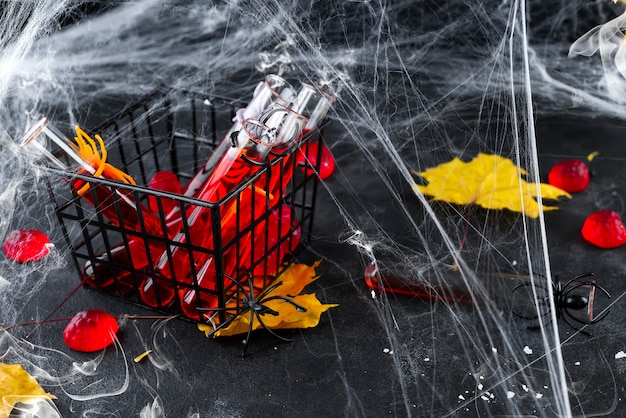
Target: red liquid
x=398, y=286
x=191, y=299
x=110, y=203
x=120, y=266
x=307, y=157
x=282, y=172
x=165, y=181
x=157, y=292
x=226, y=177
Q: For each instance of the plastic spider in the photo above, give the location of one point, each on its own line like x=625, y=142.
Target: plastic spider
x=565, y=302
x=257, y=307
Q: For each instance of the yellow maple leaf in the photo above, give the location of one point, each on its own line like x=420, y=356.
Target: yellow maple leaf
x=292, y=281
x=16, y=386
x=490, y=181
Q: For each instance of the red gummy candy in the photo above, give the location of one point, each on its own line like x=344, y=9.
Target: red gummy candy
x=90, y=330
x=570, y=175
x=165, y=181
x=24, y=245
x=327, y=163
x=604, y=229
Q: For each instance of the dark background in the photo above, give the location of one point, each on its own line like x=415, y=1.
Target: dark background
x=392, y=355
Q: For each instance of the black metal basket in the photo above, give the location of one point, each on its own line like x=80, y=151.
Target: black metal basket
x=128, y=259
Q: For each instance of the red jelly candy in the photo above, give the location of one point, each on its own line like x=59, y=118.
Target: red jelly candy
x=90, y=330
x=327, y=163
x=168, y=182
x=604, y=229
x=571, y=176
x=24, y=245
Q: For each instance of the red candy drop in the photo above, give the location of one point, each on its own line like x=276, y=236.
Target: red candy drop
x=604, y=229
x=24, y=245
x=570, y=175
x=327, y=163
x=165, y=181
x=90, y=330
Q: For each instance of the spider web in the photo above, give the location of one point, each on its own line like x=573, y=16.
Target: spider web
x=417, y=85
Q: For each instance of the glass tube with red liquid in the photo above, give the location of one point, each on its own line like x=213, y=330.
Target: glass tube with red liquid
x=119, y=206
x=271, y=91
x=253, y=142
x=45, y=142
x=285, y=126
x=313, y=104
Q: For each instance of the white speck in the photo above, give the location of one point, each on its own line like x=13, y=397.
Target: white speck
x=461, y=397
x=539, y=395
x=577, y=363
x=491, y=395
x=4, y=282
x=484, y=398
x=385, y=350
x=427, y=359
x=480, y=386
x=495, y=350
x=373, y=293
x=207, y=102
x=620, y=355
x=525, y=388
x=514, y=263
x=510, y=394
x=528, y=350
x=545, y=386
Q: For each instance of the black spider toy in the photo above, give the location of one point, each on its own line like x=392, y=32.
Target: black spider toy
x=256, y=306
x=566, y=302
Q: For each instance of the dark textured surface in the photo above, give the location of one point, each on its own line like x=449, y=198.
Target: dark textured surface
x=341, y=366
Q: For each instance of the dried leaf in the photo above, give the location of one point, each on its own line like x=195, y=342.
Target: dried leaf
x=142, y=356
x=293, y=279
x=16, y=386
x=490, y=181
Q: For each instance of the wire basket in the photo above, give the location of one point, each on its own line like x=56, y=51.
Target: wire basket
x=131, y=258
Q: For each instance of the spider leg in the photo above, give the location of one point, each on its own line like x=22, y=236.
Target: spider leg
x=247, y=341
x=582, y=331
x=298, y=307
x=268, y=290
x=271, y=331
x=581, y=276
x=225, y=323
x=519, y=315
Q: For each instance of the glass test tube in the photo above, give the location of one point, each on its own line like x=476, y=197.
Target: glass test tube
x=254, y=141
x=313, y=104
x=52, y=148
x=274, y=89
x=285, y=126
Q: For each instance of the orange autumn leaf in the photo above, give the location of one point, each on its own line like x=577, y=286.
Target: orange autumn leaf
x=490, y=181
x=16, y=386
x=292, y=282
